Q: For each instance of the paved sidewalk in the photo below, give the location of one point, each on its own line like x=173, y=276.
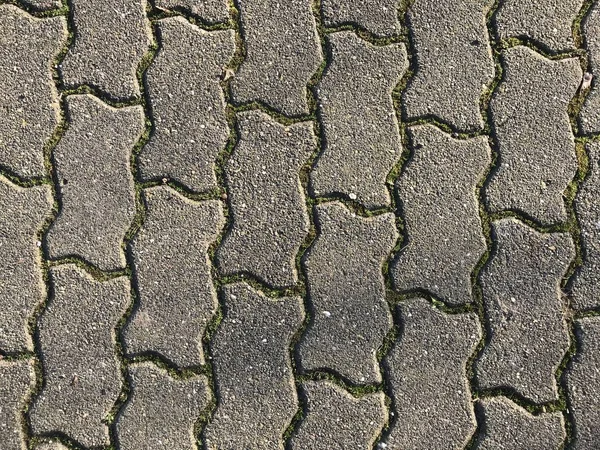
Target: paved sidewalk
x=299, y=224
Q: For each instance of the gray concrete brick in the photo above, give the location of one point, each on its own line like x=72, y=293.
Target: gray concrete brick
x=43, y=5
x=437, y=189
x=428, y=379
x=510, y=427
x=111, y=39
x=590, y=113
x=208, y=10
x=161, y=411
x=52, y=445
x=347, y=291
x=336, y=420
x=583, y=381
x=522, y=298
x=188, y=106
x=172, y=270
x=96, y=185
x=81, y=370
x=22, y=215
x=270, y=220
x=255, y=384
x=362, y=141
x=454, y=62
x=30, y=110
x=549, y=22
x=16, y=380
x=283, y=51
x=379, y=17
x=535, y=141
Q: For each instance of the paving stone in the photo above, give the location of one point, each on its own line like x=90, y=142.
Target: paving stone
x=270, y=220
x=188, y=106
x=441, y=214
x=22, y=215
x=361, y=138
x=51, y=446
x=30, y=110
x=283, y=51
x=454, y=62
x=172, y=269
x=590, y=113
x=583, y=381
x=81, y=369
x=510, y=427
x=16, y=380
x=428, y=379
x=161, y=411
x=379, y=17
x=347, y=291
x=548, y=22
x=524, y=309
x=111, y=39
x=43, y=5
x=586, y=285
x=208, y=10
x=255, y=384
x=536, y=146
x=337, y=420
x=96, y=186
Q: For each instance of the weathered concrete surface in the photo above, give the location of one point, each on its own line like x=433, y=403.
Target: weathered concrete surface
x=590, y=113
x=16, y=380
x=379, y=17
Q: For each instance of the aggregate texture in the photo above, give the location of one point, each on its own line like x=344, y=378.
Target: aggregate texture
x=210, y=11
x=17, y=379
x=379, y=17
x=590, y=113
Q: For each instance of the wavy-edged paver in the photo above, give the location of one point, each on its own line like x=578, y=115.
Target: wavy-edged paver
x=110, y=39
x=28, y=96
x=522, y=298
x=586, y=284
x=454, y=61
x=590, y=112
x=23, y=212
x=96, y=185
x=251, y=355
x=161, y=411
x=335, y=420
x=82, y=378
x=188, y=106
x=43, y=5
x=270, y=220
x=361, y=137
x=379, y=17
x=347, y=291
x=507, y=426
x=428, y=378
x=547, y=22
x=583, y=382
x=438, y=192
x=535, y=142
x=16, y=380
x=172, y=270
x=211, y=11
x=283, y=51
x=51, y=445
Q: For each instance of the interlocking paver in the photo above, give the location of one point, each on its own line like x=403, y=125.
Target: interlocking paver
x=82, y=377
x=535, y=141
x=590, y=113
x=111, y=38
x=522, y=299
x=51, y=446
x=283, y=51
x=441, y=213
x=583, y=381
x=96, y=186
x=43, y=4
x=428, y=379
x=161, y=411
x=347, y=291
x=22, y=215
x=16, y=379
x=188, y=106
x=361, y=137
x=172, y=268
x=510, y=427
x=549, y=22
x=255, y=383
x=454, y=62
x=270, y=220
x=28, y=97
x=379, y=17
x=335, y=420
x=208, y=10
